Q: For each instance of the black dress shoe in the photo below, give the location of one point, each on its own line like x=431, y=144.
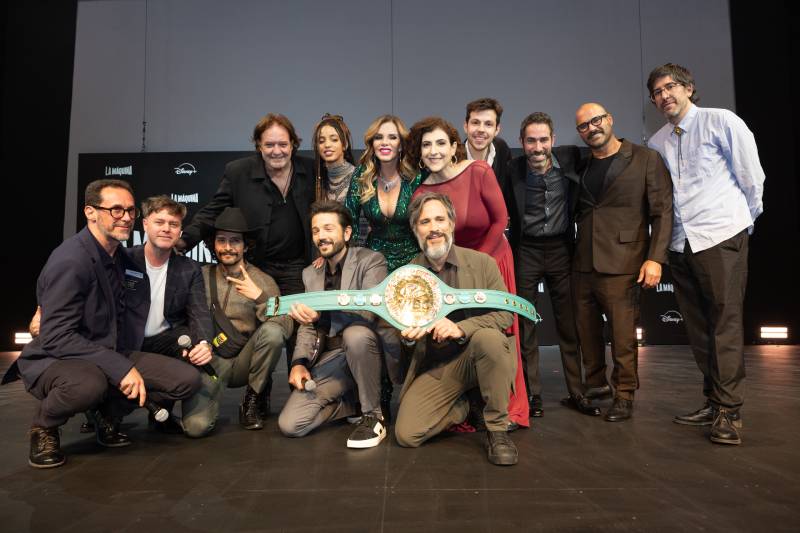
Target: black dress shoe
x=107, y=431
x=249, y=414
x=723, y=430
x=263, y=400
x=599, y=393
x=45, y=448
x=620, y=410
x=170, y=426
x=500, y=448
x=535, y=406
x=88, y=425
x=705, y=417
x=580, y=404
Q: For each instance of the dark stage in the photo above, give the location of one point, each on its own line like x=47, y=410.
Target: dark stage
x=575, y=473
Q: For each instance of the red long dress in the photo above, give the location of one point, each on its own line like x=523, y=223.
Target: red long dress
x=481, y=218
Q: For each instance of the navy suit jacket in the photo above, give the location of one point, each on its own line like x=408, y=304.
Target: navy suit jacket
x=184, y=295
x=79, y=315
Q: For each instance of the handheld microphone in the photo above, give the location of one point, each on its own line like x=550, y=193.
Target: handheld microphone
x=158, y=412
x=185, y=342
x=309, y=384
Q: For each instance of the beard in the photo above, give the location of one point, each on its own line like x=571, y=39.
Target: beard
x=438, y=251
x=335, y=247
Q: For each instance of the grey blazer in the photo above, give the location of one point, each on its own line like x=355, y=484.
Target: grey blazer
x=362, y=269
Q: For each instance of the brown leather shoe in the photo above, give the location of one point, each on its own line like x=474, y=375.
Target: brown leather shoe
x=500, y=448
x=620, y=410
x=723, y=431
x=45, y=448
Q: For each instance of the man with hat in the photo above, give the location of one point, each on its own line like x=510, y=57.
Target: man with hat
x=247, y=345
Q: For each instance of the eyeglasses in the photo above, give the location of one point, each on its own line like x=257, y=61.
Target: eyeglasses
x=118, y=212
x=594, y=121
x=658, y=93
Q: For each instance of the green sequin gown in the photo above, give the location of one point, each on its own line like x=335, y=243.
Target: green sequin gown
x=390, y=236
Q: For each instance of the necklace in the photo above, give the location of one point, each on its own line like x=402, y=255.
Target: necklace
x=388, y=185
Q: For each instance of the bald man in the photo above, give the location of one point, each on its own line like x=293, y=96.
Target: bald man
x=624, y=189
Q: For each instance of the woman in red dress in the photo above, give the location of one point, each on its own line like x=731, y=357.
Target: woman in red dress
x=481, y=214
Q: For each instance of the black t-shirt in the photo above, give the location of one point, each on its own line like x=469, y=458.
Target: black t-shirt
x=285, y=239
x=596, y=174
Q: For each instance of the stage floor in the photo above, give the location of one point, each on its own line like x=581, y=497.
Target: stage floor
x=575, y=473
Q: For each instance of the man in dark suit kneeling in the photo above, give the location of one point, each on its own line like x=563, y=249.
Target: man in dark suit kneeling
x=86, y=355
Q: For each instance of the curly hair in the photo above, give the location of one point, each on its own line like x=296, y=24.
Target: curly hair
x=427, y=125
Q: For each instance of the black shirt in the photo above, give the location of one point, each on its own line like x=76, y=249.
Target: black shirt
x=333, y=282
x=545, y=203
x=285, y=238
x=112, y=265
x=596, y=175
x=440, y=353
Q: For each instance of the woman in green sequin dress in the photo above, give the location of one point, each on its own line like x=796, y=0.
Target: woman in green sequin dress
x=381, y=190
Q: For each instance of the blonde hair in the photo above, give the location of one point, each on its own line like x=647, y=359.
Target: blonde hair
x=369, y=168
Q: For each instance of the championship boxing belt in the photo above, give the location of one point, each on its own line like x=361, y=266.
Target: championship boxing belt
x=409, y=296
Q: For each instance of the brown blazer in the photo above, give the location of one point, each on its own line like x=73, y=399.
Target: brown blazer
x=613, y=229
x=476, y=270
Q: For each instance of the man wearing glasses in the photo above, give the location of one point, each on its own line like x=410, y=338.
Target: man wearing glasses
x=85, y=356
x=718, y=184
x=624, y=189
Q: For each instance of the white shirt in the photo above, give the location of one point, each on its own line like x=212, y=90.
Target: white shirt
x=156, y=323
x=717, y=177
x=489, y=156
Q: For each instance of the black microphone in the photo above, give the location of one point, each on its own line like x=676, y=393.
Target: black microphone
x=309, y=384
x=158, y=412
x=185, y=342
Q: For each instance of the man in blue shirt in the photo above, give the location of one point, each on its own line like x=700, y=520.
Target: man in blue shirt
x=718, y=183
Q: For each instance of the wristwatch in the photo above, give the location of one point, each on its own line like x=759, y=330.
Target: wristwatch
x=410, y=296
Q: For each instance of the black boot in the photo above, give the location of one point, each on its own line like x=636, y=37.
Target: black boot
x=500, y=448
x=88, y=426
x=620, y=410
x=45, y=448
x=249, y=415
x=263, y=400
x=107, y=431
x=535, y=406
x=723, y=431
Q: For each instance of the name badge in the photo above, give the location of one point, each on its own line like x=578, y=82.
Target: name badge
x=132, y=279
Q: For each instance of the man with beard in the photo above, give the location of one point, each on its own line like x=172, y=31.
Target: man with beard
x=466, y=349
x=341, y=351
x=482, y=126
x=624, y=189
x=85, y=356
x=541, y=192
x=718, y=182
x=248, y=344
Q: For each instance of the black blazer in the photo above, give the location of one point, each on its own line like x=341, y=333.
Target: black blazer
x=569, y=159
x=244, y=186
x=79, y=315
x=184, y=295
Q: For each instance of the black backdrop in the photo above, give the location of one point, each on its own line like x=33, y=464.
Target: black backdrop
x=38, y=43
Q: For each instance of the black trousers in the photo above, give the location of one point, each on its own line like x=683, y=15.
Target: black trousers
x=548, y=260
x=617, y=297
x=710, y=287
x=71, y=386
x=166, y=342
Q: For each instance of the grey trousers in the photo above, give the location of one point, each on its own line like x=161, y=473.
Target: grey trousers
x=432, y=403
x=355, y=368
x=251, y=367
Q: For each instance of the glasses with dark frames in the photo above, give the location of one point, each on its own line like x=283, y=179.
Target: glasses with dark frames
x=118, y=212
x=594, y=121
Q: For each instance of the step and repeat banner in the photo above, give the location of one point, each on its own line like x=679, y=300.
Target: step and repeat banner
x=192, y=178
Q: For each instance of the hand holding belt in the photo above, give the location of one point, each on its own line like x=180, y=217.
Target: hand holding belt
x=410, y=296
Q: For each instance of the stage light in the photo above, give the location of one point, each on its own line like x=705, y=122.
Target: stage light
x=774, y=332
x=639, y=334
x=22, y=338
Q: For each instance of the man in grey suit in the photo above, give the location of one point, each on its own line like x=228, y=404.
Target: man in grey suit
x=340, y=351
